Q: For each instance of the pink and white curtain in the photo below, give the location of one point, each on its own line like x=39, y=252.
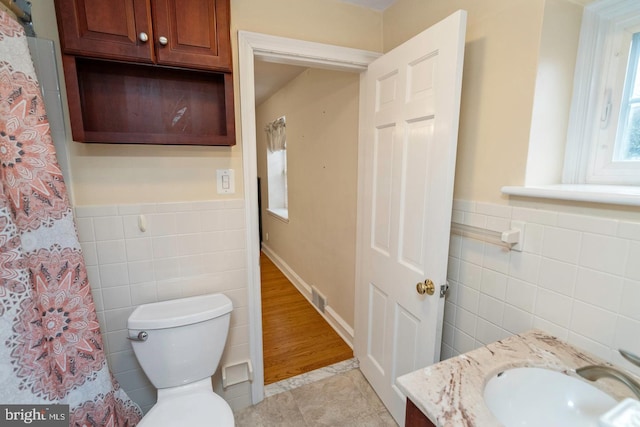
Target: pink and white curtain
x=51, y=349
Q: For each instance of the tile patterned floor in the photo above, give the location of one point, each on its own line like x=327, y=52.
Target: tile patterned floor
x=344, y=399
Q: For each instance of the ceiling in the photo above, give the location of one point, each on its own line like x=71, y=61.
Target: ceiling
x=270, y=77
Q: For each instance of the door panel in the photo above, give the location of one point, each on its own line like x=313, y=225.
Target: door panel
x=410, y=103
x=377, y=322
x=382, y=195
x=412, y=230
x=196, y=33
x=108, y=29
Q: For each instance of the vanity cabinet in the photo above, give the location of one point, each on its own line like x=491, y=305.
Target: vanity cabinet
x=148, y=71
x=414, y=417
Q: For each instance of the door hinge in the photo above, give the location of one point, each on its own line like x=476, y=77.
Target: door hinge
x=443, y=289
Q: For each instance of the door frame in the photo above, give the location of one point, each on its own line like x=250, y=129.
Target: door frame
x=281, y=50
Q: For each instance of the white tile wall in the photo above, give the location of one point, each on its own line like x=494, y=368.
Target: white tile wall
x=577, y=277
x=187, y=249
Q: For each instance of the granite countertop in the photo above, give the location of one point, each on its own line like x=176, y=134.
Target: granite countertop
x=450, y=393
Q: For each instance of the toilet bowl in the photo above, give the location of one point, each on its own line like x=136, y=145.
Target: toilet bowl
x=179, y=344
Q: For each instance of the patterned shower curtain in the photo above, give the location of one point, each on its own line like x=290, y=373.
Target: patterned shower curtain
x=52, y=351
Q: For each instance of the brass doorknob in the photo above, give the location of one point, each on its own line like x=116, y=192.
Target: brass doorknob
x=426, y=287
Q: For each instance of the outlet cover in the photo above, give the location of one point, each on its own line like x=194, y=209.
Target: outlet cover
x=226, y=181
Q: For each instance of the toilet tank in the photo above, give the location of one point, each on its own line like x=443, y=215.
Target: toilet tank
x=184, y=338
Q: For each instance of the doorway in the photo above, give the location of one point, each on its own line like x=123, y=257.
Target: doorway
x=311, y=239
x=275, y=49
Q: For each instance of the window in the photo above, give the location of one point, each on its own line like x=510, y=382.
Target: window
x=278, y=203
x=627, y=145
x=604, y=131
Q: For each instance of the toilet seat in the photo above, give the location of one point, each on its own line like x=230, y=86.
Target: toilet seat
x=200, y=409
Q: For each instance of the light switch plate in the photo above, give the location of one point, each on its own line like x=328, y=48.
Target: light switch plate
x=226, y=181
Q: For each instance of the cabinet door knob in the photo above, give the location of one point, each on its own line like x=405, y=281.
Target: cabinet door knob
x=163, y=40
x=143, y=37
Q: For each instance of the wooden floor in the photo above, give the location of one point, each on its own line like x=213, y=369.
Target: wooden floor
x=296, y=339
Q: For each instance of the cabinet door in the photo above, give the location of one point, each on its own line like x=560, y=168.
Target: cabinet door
x=192, y=33
x=113, y=29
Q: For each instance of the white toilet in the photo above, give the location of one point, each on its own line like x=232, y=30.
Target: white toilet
x=179, y=344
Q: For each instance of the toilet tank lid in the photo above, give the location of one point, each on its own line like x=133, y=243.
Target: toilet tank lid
x=179, y=312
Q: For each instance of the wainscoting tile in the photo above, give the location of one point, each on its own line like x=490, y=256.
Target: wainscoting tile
x=85, y=230
x=629, y=230
x=594, y=322
x=111, y=251
x=161, y=224
x=470, y=274
x=600, y=289
x=521, y=294
x=189, y=244
x=113, y=275
x=131, y=225
x=108, y=228
x=554, y=307
x=630, y=300
x=561, y=244
x=603, y=253
x=525, y=266
x=116, y=319
x=558, y=276
x=116, y=297
x=90, y=253
x=632, y=270
x=165, y=247
x=588, y=224
x=143, y=293
x=139, y=249
x=123, y=361
x=188, y=222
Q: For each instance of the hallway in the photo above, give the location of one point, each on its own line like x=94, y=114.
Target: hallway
x=296, y=339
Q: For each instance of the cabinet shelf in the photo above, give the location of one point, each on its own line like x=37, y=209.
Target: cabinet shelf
x=134, y=103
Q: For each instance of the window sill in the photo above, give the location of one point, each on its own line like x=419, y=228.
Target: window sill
x=609, y=194
x=279, y=213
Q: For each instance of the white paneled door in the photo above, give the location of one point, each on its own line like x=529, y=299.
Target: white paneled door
x=410, y=103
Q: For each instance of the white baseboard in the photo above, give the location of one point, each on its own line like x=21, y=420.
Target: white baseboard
x=338, y=324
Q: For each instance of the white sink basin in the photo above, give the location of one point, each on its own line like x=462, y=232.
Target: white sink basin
x=540, y=397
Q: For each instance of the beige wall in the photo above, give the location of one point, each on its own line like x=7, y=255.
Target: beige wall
x=501, y=54
x=516, y=93
x=116, y=174
x=318, y=242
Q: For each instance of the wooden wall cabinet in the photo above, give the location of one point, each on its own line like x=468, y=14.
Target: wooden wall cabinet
x=148, y=71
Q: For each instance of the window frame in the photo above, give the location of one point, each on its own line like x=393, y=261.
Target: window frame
x=277, y=180
x=597, y=87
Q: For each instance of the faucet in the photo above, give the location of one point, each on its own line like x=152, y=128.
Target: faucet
x=595, y=372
